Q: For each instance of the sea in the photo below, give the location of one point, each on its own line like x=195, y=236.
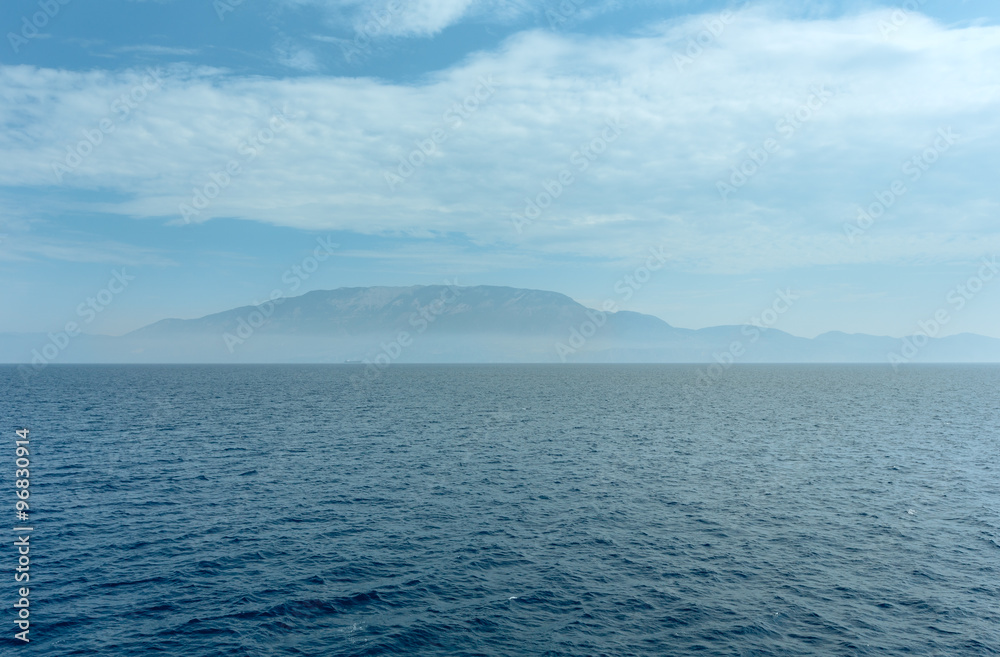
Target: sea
x=548, y=510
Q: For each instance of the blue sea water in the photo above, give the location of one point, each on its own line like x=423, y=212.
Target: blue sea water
x=507, y=510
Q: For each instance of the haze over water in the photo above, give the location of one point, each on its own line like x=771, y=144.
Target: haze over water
x=501, y=510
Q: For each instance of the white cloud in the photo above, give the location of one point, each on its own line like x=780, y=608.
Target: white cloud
x=427, y=17
x=416, y=18
x=297, y=58
x=656, y=184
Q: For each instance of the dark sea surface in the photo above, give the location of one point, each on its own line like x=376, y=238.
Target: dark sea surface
x=507, y=510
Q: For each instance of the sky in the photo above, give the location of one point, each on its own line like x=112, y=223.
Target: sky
x=843, y=153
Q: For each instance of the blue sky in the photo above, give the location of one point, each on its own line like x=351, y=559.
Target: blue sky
x=421, y=136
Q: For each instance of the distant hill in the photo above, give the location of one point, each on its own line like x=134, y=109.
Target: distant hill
x=440, y=323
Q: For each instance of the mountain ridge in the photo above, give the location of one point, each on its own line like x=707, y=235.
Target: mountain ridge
x=484, y=323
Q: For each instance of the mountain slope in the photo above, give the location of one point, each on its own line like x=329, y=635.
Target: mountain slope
x=440, y=323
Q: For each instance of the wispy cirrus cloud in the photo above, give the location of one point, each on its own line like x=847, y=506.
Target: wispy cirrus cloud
x=26, y=247
x=148, y=49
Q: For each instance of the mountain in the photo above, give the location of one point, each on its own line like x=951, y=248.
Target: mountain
x=441, y=323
